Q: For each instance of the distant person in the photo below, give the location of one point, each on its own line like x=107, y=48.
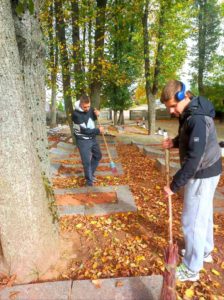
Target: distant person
x=85, y=132
x=200, y=158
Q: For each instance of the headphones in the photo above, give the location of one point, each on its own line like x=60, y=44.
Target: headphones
x=181, y=94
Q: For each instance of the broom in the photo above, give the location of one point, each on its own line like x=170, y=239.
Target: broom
x=112, y=164
x=171, y=251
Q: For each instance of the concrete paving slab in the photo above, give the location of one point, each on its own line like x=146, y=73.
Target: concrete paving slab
x=153, y=152
x=58, y=153
x=66, y=146
x=160, y=165
x=125, y=201
x=123, y=288
x=126, y=288
x=97, y=173
x=58, y=290
x=54, y=167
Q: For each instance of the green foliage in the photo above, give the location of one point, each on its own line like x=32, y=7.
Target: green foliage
x=206, y=34
x=23, y=5
x=60, y=106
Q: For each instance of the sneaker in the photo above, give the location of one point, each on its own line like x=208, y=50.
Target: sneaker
x=184, y=274
x=94, y=179
x=207, y=257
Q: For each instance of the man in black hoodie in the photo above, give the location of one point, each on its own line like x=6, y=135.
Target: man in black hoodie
x=200, y=159
x=85, y=132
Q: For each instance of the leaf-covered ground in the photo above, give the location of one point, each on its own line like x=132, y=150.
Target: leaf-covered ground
x=132, y=244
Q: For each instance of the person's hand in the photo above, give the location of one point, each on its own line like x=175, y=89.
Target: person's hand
x=168, y=191
x=101, y=128
x=167, y=143
x=96, y=112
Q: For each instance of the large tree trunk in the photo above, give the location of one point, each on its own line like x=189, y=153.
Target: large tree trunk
x=32, y=54
x=66, y=76
x=98, y=52
x=28, y=234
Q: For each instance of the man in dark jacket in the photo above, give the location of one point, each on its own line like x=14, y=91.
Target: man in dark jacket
x=200, y=159
x=85, y=132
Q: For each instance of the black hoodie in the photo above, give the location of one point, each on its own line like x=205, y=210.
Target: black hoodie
x=200, y=154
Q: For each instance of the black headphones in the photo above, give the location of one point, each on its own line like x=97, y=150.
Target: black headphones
x=181, y=94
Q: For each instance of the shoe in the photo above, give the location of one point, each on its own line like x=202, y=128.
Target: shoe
x=184, y=274
x=94, y=179
x=207, y=257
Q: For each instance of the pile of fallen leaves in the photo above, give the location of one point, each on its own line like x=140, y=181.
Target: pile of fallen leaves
x=132, y=244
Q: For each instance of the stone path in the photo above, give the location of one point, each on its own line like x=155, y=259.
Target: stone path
x=125, y=288
x=125, y=201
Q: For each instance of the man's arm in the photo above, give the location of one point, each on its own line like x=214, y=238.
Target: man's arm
x=196, y=148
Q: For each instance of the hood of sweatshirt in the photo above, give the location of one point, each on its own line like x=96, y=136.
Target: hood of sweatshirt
x=200, y=106
x=77, y=106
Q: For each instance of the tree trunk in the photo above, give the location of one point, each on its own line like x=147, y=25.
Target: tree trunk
x=115, y=117
x=149, y=96
x=28, y=236
x=66, y=76
x=201, y=45
x=79, y=74
x=98, y=53
x=32, y=55
x=53, y=53
x=121, y=118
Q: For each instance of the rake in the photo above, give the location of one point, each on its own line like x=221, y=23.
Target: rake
x=112, y=164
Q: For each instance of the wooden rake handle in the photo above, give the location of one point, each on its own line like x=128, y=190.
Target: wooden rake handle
x=105, y=142
x=167, y=164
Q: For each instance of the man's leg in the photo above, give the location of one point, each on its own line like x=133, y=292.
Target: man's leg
x=84, y=147
x=198, y=202
x=209, y=244
x=96, y=156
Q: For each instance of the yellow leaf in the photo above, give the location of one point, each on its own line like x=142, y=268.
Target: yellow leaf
x=95, y=265
x=140, y=258
x=215, y=272
x=222, y=265
x=97, y=283
x=189, y=293
x=80, y=225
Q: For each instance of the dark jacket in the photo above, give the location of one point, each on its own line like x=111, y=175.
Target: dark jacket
x=84, y=126
x=200, y=154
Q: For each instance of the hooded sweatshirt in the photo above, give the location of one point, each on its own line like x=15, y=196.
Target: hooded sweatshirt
x=84, y=126
x=200, y=154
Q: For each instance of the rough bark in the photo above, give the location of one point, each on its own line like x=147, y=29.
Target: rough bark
x=53, y=54
x=201, y=45
x=149, y=95
x=64, y=59
x=28, y=235
x=32, y=55
x=98, y=52
x=79, y=74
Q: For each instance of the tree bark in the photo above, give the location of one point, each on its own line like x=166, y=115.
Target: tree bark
x=79, y=74
x=66, y=75
x=149, y=95
x=201, y=45
x=115, y=117
x=98, y=52
x=29, y=239
x=53, y=53
x=32, y=55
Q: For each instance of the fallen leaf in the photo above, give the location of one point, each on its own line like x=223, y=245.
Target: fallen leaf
x=97, y=283
x=119, y=284
x=215, y=272
x=189, y=293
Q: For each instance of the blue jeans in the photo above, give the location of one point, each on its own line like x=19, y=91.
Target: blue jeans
x=90, y=155
x=197, y=220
